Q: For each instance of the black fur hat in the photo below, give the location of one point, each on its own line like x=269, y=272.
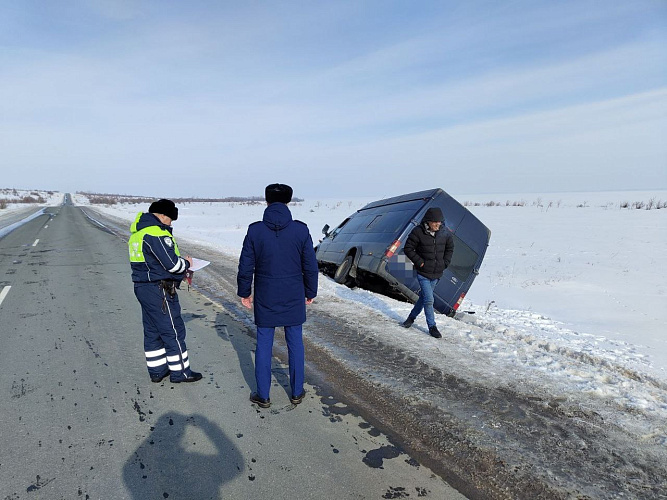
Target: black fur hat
x=281, y=193
x=164, y=207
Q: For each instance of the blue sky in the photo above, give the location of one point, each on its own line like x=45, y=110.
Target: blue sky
x=213, y=98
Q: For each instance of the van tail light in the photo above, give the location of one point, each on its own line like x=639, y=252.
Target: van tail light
x=392, y=249
x=458, y=302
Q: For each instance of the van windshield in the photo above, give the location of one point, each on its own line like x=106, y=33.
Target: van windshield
x=333, y=233
x=463, y=261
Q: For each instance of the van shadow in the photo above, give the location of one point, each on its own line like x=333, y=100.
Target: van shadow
x=185, y=456
x=244, y=345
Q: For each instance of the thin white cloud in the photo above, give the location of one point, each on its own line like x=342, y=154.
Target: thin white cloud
x=234, y=93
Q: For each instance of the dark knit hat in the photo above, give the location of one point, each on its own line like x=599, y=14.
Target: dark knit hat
x=433, y=214
x=281, y=193
x=164, y=207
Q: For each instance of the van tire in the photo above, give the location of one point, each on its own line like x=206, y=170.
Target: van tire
x=342, y=274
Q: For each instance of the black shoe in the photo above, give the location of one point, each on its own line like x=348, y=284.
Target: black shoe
x=193, y=377
x=156, y=379
x=296, y=400
x=261, y=402
x=407, y=323
x=433, y=330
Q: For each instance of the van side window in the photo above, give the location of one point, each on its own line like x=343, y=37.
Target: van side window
x=356, y=223
x=390, y=222
x=463, y=260
x=370, y=224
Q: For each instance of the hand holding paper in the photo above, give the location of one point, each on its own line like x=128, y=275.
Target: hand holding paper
x=195, y=265
x=198, y=264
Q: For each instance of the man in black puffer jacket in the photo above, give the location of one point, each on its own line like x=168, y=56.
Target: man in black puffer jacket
x=430, y=249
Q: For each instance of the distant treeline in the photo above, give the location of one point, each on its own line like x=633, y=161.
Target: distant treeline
x=637, y=205
x=112, y=199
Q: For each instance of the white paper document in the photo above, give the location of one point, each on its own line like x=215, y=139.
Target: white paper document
x=198, y=264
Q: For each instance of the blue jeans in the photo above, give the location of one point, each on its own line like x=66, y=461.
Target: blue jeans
x=263, y=355
x=425, y=300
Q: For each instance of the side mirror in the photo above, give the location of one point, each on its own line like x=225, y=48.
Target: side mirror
x=325, y=230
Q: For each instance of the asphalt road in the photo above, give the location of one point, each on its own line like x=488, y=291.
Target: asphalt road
x=81, y=419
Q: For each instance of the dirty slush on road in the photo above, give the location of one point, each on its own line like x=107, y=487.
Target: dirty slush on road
x=488, y=441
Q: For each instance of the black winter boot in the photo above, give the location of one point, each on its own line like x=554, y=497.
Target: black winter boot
x=433, y=330
x=192, y=377
x=261, y=402
x=407, y=323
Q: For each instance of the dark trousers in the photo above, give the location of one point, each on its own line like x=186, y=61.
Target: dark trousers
x=263, y=355
x=164, y=331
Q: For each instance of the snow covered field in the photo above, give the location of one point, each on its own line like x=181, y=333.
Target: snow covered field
x=571, y=294
x=570, y=299
x=597, y=270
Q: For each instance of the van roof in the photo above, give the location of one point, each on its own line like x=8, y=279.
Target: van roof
x=419, y=195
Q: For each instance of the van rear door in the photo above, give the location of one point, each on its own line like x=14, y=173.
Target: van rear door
x=471, y=239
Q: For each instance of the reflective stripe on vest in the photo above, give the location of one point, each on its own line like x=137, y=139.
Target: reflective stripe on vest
x=136, y=242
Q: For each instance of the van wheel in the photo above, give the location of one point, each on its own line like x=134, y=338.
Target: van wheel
x=342, y=274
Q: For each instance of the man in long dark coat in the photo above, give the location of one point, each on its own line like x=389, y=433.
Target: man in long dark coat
x=278, y=252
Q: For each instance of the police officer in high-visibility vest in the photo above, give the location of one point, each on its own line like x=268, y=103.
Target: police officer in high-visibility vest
x=157, y=271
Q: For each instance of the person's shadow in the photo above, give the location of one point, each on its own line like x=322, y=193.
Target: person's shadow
x=184, y=457
x=244, y=345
